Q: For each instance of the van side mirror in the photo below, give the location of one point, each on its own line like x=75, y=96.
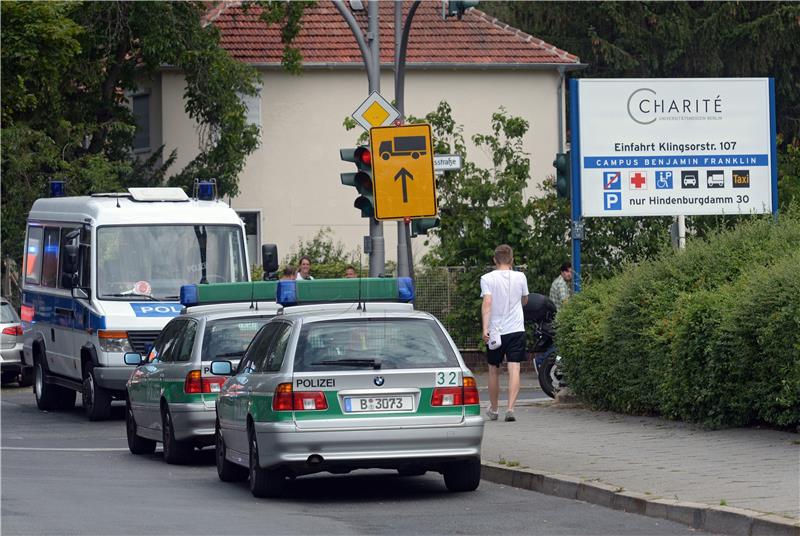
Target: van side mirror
x=269, y=260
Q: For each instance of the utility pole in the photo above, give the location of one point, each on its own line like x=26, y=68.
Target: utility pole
x=370, y=48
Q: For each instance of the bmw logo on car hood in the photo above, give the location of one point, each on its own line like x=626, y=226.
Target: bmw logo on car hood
x=379, y=380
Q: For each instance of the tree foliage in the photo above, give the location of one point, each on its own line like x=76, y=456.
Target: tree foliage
x=674, y=39
x=68, y=70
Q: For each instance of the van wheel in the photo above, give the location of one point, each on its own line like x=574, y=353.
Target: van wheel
x=96, y=400
x=263, y=482
x=463, y=476
x=25, y=377
x=136, y=444
x=47, y=395
x=175, y=452
x=226, y=469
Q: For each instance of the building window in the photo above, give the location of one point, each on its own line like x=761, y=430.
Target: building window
x=141, y=116
x=253, y=107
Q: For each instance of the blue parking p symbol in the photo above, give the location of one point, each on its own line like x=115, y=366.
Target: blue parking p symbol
x=612, y=201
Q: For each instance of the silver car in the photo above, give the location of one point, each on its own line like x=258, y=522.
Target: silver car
x=11, y=363
x=335, y=388
x=172, y=393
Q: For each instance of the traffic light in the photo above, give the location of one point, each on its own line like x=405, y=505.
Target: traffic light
x=563, y=165
x=361, y=179
x=421, y=226
x=456, y=8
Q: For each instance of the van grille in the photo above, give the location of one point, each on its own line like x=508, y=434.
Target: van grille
x=142, y=341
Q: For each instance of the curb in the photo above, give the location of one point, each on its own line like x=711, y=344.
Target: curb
x=711, y=518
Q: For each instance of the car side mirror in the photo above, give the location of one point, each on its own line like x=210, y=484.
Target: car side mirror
x=221, y=368
x=133, y=358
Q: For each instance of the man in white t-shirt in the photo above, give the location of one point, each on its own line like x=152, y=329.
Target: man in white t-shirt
x=504, y=292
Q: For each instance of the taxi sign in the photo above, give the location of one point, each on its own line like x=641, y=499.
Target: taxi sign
x=375, y=112
x=402, y=172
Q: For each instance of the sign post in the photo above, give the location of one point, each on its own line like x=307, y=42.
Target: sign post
x=402, y=172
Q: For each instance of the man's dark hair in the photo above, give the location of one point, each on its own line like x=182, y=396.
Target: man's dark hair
x=566, y=266
x=288, y=271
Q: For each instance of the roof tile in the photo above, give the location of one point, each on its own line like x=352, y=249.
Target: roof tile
x=325, y=37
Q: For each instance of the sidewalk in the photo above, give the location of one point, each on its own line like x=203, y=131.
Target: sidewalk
x=741, y=475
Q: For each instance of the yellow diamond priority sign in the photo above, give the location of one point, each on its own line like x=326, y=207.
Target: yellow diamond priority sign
x=402, y=171
x=375, y=111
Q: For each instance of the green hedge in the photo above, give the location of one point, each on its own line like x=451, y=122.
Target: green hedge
x=708, y=335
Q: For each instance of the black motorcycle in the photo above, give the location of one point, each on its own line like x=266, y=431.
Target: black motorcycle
x=539, y=312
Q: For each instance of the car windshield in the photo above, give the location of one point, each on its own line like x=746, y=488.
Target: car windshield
x=7, y=314
x=144, y=262
x=228, y=339
x=385, y=343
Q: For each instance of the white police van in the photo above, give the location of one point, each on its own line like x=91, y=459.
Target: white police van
x=102, y=276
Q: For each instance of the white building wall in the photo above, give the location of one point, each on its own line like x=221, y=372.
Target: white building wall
x=293, y=178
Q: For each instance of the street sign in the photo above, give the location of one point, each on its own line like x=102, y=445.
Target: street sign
x=446, y=162
x=375, y=112
x=663, y=147
x=402, y=172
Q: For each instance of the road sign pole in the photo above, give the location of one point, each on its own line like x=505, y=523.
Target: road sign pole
x=403, y=265
x=575, y=199
x=405, y=261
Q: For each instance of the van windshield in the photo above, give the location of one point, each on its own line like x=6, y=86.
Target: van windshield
x=151, y=262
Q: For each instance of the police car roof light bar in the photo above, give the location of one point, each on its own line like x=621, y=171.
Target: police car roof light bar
x=301, y=292
x=207, y=294
x=345, y=290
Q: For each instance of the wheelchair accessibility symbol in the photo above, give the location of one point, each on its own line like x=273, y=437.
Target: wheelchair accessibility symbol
x=663, y=180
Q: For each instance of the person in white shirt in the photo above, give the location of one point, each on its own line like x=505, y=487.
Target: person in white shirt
x=504, y=292
x=304, y=268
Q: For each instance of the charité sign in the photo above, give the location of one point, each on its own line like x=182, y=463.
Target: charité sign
x=663, y=147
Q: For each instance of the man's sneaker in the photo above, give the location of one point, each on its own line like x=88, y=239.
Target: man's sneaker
x=510, y=416
x=491, y=415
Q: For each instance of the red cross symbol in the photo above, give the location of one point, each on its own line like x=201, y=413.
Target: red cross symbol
x=638, y=180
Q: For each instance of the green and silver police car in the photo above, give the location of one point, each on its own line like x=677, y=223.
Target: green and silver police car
x=172, y=393
x=342, y=386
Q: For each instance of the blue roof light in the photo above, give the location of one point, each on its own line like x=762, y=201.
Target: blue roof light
x=57, y=189
x=287, y=293
x=189, y=295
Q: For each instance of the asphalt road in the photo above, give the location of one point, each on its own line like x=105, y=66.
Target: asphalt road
x=64, y=475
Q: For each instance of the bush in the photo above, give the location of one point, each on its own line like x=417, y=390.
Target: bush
x=683, y=335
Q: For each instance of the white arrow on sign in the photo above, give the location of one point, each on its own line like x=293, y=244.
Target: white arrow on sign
x=446, y=162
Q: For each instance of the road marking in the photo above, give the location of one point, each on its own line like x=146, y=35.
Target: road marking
x=69, y=449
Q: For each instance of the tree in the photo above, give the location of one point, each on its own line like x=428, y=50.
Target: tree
x=67, y=69
x=681, y=39
x=482, y=208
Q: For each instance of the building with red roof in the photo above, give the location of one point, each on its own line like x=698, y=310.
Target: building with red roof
x=290, y=187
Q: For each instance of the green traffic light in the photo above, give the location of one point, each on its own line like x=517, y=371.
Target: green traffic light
x=421, y=226
x=563, y=166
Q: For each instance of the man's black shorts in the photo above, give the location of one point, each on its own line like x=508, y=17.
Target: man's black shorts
x=512, y=347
